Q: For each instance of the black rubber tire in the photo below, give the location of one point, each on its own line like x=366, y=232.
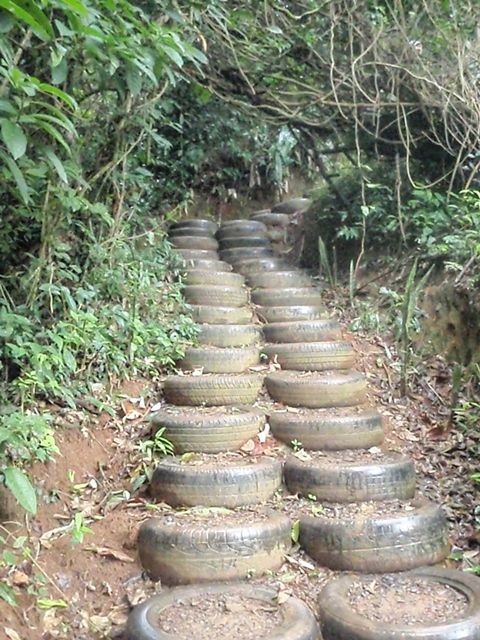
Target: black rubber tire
x=239, y=253
x=202, y=276
x=190, y=231
x=229, y=335
x=271, y=219
x=292, y=313
x=212, y=390
x=215, y=295
x=205, y=432
x=220, y=359
x=190, y=554
x=194, y=242
x=207, y=265
x=195, y=223
x=247, y=266
x=377, y=544
x=220, y=314
x=391, y=479
x=244, y=227
x=303, y=331
x=244, y=241
x=279, y=279
x=215, y=485
x=319, y=429
x=287, y=297
x=311, y=356
x=298, y=621
x=317, y=390
x=196, y=254
x=339, y=622
x=292, y=206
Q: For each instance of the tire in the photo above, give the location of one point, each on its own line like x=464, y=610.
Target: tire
x=303, y=331
x=190, y=231
x=340, y=622
x=215, y=295
x=221, y=314
x=298, y=621
x=247, y=266
x=279, y=279
x=206, y=432
x=320, y=429
x=292, y=313
x=233, y=255
x=271, y=219
x=311, y=356
x=235, y=228
x=317, y=391
x=196, y=254
x=332, y=481
x=244, y=241
x=220, y=359
x=213, y=390
x=202, y=276
x=377, y=544
x=188, y=554
x=292, y=206
x=287, y=297
x=194, y=242
x=229, y=335
x=207, y=265
x=215, y=485
x=195, y=223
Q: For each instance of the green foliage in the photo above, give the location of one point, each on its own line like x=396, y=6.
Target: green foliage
x=79, y=528
x=24, y=438
x=151, y=451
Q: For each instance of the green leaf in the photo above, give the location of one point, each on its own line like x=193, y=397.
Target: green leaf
x=7, y=594
x=56, y=163
x=21, y=487
x=134, y=79
x=48, y=603
x=60, y=72
x=77, y=6
x=18, y=177
x=27, y=12
x=295, y=531
x=14, y=138
x=58, y=93
x=173, y=55
x=7, y=107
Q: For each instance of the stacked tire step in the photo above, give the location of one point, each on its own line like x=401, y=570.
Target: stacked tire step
x=320, y=402
x=210, y=411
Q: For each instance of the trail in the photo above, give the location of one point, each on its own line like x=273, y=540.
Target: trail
x=299, y=442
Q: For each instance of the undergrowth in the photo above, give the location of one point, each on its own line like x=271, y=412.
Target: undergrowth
x=82, y=331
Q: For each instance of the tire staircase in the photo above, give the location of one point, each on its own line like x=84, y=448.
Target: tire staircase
x=248, y=302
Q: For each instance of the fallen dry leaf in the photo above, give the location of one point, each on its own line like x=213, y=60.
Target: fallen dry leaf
x=20, y=579
x=107, y=552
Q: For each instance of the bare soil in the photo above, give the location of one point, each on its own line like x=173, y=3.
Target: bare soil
x=220, y=616
x=207, y=517
x=348, y=456
x=296, y=507
x=405, y=600
x=250, y=453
